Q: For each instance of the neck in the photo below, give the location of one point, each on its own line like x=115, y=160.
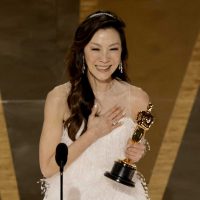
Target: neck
x=99, y=87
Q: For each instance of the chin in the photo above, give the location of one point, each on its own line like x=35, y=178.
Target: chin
x=103, y=76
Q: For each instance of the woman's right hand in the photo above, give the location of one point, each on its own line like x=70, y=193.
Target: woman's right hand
x=101, y=125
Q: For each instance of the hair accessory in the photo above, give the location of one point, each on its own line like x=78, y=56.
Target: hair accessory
x=120, y=67
x=83, y=66
x=101, y=14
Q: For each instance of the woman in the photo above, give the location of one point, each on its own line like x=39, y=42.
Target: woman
x=94, y=114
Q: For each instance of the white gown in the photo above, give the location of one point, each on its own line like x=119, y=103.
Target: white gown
x=84, y=179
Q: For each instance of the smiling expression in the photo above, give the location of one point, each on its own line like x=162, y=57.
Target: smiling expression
x=103, y=54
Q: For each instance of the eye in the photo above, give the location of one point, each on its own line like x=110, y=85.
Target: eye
x=114, y=49
x=95, y=49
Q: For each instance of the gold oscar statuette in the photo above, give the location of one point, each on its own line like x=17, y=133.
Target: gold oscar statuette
x=123, y=170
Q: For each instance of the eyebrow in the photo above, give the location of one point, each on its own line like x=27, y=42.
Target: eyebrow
x=116, y=43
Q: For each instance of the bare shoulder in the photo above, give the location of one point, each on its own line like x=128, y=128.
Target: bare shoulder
x=140, y=98
x=56, y=100
x=60, y=92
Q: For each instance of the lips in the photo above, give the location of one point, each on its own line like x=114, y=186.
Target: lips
x=103, y=67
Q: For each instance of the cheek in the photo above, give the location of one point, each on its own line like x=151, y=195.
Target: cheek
x=89, y=61
x=117, y=58
x=91, y=58
x=116, y=55
x=87, y=56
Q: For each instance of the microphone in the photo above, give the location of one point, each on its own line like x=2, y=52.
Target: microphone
x=61, y=155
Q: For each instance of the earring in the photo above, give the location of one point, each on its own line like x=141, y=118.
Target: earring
x=120, y=67
x=83, y=66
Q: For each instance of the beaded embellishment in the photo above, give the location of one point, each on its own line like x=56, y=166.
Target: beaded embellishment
x=43, y=186
x=144, y=184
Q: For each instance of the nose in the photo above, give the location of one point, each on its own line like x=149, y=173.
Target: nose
x=104, y=58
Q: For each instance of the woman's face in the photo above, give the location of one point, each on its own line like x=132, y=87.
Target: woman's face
x=103, y=54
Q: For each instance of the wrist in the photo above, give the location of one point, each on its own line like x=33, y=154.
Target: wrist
x=91, y=135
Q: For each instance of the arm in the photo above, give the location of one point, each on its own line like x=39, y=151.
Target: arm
x=140, y=101
x=52, y=130
x=54, y=112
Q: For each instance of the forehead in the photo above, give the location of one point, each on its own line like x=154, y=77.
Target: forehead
x=106, y=36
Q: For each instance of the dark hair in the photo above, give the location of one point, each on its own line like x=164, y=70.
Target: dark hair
x=81, y=97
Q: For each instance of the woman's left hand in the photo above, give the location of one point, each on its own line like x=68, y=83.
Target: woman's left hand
x=134, y=150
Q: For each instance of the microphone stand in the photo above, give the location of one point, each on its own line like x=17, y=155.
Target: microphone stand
x=61, y=159
x=61, y=180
